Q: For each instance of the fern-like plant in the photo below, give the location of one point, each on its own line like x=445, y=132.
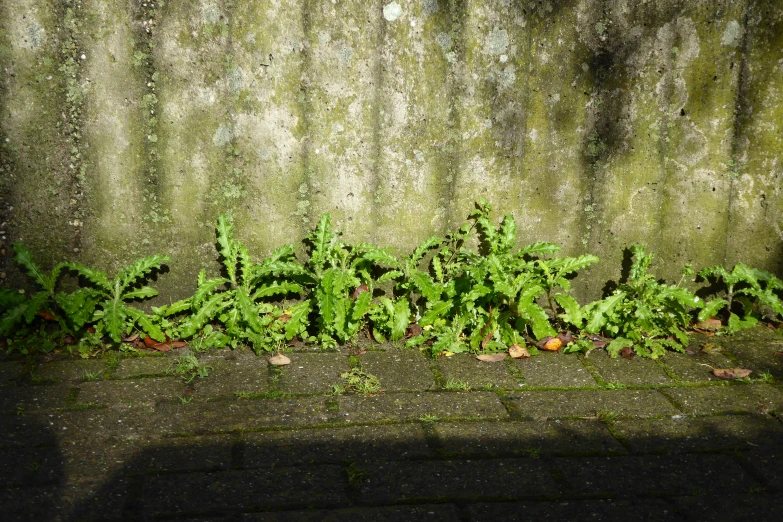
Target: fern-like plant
x=105, y=302
x=235, y=301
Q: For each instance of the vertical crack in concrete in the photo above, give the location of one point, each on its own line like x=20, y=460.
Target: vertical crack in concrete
x=457, y=15
x=377, y=121
x=306, y=107
x=741, y=108
x=72, y=18
x=147, y=19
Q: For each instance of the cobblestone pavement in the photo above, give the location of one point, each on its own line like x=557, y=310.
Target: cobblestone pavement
x=554, y=437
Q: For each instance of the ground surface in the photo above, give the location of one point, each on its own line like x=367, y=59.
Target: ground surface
x=554, y=437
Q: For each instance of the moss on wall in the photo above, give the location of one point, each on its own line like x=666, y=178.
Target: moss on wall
x=597, y=123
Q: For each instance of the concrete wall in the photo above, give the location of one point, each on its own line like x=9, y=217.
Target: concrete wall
x=127, y=126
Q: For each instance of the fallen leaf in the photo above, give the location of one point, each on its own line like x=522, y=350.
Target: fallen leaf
x=149, y=342
x=161, y=347
x=414, y=330
x=360, y=290
x=731, y=373
x=566, y=338
x=47, y=315
x=627, y=353
x=69, y=340
x=552, y=345
x=779, y=354
x=279, y=360
x=486, y=340
x=190, y=392
x=284, y=318
x=710, y=325
x=91, y=329
x=518, y=352
x=178, y=344
x=491, y=357
x=600, y=344
x=131, y=338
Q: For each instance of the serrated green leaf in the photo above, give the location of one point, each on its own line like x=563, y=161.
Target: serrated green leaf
x=424, y=284
x=114, y=316
x=538, y=249
x=360, y=306
x=380, y=257
x=401, y=319
x=597, y=314
x=389, y=276
x=436, y=310
x=140, y=268
x=140, y=293
x=11, y=318
x=248, y=310
x=206, y=288
x=23, y=256
x=226, y=244
x=537, y=318
x=276, y=288
x=437, y=268
x=711, y=308
x=10, y=298
x=146, y=324
x=298, y=322
x=176, y=307
x=507, y=234
x=79, y=306
x=572, y=311
x=96, y=277
x=34, y=305
x=207, y=311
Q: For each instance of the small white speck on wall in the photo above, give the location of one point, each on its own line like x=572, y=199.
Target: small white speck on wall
x=392, y=11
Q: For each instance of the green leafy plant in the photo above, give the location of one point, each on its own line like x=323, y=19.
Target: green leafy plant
x=106, y=300
x=339, y=280
x=488, y=300
x=235, y=301
x=19, y=310
x=642, y=313
x=753, y=288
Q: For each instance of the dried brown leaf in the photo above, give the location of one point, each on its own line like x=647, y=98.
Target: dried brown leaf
x=710, y=325
x=360, y=290
x=491, y=357
x=414, y=330
x=279, y=360
x=161, y=347
x=518, y=352
x=731, y=373
x=566, y=338
x=627, y=353
x=131, y=338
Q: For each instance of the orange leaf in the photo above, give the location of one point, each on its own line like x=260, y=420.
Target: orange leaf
x=552, y=345
x=46, y=314
x=149, y=342
x=731, y=373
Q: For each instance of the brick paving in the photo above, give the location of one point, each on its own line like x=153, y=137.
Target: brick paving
x=556, y=437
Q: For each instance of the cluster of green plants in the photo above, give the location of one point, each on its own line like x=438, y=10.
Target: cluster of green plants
x=474, y=291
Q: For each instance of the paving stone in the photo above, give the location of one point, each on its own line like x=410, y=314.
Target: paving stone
x=399, y=370
x=561, y=437
x=654, y=475
x=95, y=499
x=634, y=372
x=142, y=367
x=335, y=445
x=30, y=466
x=460, y=480
x=241, y=415
x=10, y=372
x=768, y=462
x=586, y=403
x=27, y=503
x=680, y=434
x=27, y=430
x=689, y=367
x=648, y=509
x=739, y=508
x=312, y=372
x=419, y=513
x=231, y=373
x=555, y=370
x=130, y=392
x=727, y=399
x=60, y=371
x=245, y=490
x=758, y=356
x=99, y=425
x=26, y=399
x=757, y=333
x=477, y=374
x=412, y=406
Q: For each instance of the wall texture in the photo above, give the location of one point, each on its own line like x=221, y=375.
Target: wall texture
x=127, y=126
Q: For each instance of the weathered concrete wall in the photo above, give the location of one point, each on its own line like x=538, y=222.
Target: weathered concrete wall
x=128, y=125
